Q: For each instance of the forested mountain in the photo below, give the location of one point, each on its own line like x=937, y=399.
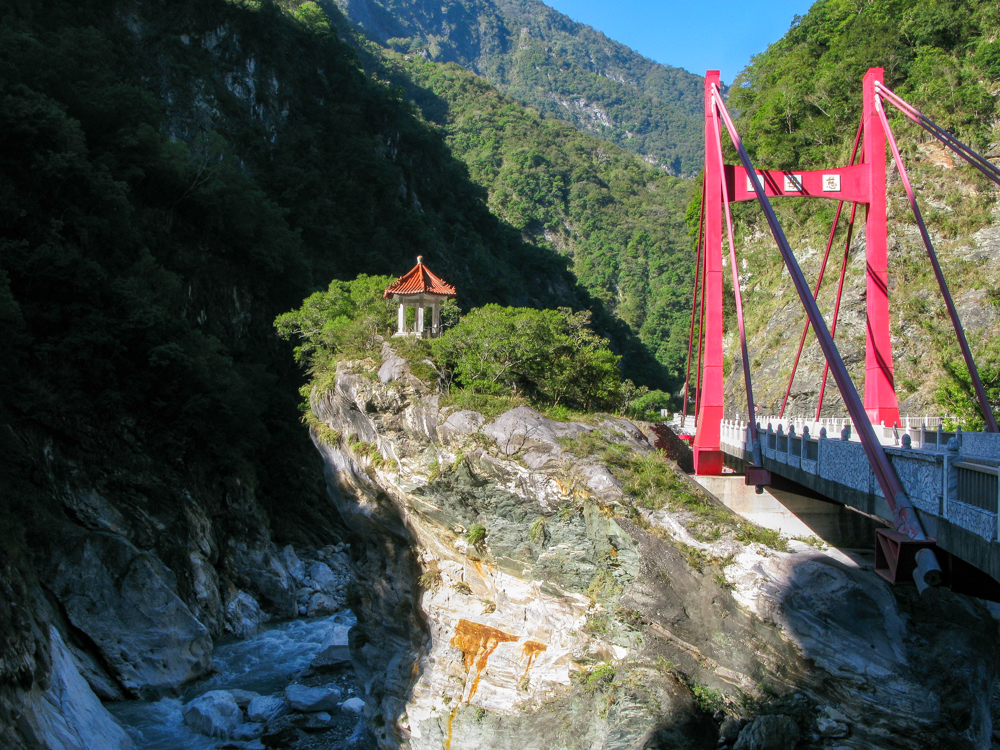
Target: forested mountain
x=620, y=222
x=799, y=104
x=559, y=67
x=172, y=177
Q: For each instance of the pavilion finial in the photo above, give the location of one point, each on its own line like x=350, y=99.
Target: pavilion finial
x=420, y=259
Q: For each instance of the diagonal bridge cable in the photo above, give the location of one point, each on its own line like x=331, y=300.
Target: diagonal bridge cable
x=904, y=516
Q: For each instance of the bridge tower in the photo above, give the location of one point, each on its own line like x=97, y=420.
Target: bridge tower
x=707, y=452
x=862, y=183
x=880, y=389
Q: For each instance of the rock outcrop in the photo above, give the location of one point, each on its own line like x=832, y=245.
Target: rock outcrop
x=518, y=587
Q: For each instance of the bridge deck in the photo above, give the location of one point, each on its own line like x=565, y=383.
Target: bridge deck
x=953, y=483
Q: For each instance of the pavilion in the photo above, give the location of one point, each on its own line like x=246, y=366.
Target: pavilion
x=420, y=288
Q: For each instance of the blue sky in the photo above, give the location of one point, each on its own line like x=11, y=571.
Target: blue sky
x=696, y=35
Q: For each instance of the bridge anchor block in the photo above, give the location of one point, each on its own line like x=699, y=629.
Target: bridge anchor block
x=896, y=557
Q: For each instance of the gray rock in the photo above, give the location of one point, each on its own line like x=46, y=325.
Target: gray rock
x=214, y=714
x=831, y=728
x=768, y=733
x=260, y=569
x=266, y=708
x=254, y=745
x=313, y=722
x=295, y=567
x=243, y=615
x=322, y=604
x=463, y=422
x=730, y=729
x=322, y=577
x=249, y=731
x=524, y=428
x=354, y=705
x=394, y=368
x=124, y=600
x=67, y=715
x=243, y=698
x=312, y=699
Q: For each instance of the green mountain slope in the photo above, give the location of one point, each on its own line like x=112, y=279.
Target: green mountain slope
x=620, y=221
x=171, y=179
x=559, y=67
x=799, y=104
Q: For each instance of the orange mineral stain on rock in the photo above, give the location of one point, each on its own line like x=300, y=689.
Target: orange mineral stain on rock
x=529, y=650
x=477, y=642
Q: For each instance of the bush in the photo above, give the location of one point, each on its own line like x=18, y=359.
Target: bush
x=476, y=535
x=550, y=356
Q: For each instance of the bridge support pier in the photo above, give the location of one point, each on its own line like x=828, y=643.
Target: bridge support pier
x=707, y=451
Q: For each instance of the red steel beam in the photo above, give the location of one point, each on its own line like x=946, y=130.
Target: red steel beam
x=707, y=449
x=904, y=515
x=694, y=299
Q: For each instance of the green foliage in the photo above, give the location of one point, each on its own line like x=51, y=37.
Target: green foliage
x=476, y=535
x=709, y=700
x=431, y=577
x=550, y=356
x=553, y=65
x=537, y=531
x=955, y=393
x=600, y=677
x=620, y=221
x=344, y=321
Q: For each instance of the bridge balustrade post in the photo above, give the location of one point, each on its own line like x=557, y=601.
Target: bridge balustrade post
x=949, y=479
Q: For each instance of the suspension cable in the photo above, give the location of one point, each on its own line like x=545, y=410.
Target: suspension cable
x=694, y=300
x=751, y=421
x=903, y=512
x=963, y=343
x=840, y=292
x=822, y=270
x=973, y=158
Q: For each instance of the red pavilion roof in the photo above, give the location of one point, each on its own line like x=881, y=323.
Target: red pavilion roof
x=420, y=280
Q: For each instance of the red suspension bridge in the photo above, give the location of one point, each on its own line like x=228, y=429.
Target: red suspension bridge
x=961, y=510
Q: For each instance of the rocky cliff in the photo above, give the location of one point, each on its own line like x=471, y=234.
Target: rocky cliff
x=530, y=583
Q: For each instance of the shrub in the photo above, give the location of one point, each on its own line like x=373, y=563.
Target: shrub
x=476, y=535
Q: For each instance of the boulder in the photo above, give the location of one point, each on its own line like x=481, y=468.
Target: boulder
x=214, y=714
x=312, y=699
x=729, y=732
x=768, y=733
x=318, y=722
x=831, y=728
x=243, y=698
x=322, y=604
x=266, y=708
x=322, y=577
x=334, y=654
x=354, y=705
x=295, y=567
x=247, y=732
x=124, y=600
x=260, y=569
x=243, y=615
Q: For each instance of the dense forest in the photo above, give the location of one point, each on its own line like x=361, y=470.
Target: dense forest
x=558, y=67
x=799, y=104
x=174, y=177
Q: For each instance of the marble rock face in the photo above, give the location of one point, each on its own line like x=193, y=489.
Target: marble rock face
x=67, y=714
x=580, y=618
x=125, y=602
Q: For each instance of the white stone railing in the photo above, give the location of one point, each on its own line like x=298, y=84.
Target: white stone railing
x=954, y=475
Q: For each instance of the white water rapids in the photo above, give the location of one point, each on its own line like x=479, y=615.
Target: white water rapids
x=264, y=663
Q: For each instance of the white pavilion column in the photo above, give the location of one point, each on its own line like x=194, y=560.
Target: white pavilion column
x=436, y=318
x=420, y=317
x=401, y=318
